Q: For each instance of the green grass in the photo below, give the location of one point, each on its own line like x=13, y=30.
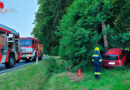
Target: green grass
x=31, y=77
x=50, y=74
x=114, y=79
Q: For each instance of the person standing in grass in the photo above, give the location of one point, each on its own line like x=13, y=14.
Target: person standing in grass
x=97, y=60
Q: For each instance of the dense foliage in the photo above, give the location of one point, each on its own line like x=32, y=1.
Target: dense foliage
x=46, y=22
x=73, y=28
x=81, y=29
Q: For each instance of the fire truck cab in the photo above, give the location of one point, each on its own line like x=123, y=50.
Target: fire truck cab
x=31, y=48
x=9, y=46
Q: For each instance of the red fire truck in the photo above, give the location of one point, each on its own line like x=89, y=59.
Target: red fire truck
x=9, y=46
x=31, y=48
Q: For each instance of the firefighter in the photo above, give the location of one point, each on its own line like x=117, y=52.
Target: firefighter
x=97, y=60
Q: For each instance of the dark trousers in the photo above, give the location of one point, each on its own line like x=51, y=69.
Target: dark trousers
x=97, y=69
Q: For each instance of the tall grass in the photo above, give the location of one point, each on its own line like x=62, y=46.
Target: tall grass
x=31, y=77
x=52, y=74
x=113, y=79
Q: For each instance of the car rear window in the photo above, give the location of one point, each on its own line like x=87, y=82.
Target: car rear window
x=111, y=57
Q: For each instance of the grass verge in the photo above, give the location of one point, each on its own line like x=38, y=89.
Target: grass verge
x=114, y=79
x=51, y=74
x=31, y=77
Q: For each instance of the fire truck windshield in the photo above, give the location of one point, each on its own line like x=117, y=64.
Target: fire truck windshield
x=25, y=42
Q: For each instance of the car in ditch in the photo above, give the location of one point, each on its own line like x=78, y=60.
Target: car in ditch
x=115, y=57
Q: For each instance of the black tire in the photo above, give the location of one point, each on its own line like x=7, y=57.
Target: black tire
x=27, y=60
x=11, y=61
x=18, y=61
x=34, y=59
x=40, y=56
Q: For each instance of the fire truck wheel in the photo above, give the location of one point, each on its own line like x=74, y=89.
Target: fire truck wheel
x=11, y=61
x=40, y=58
x=34, y=59
x=28, y=60
x=18, y=61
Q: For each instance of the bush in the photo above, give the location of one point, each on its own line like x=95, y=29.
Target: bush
x=81, y=29
x=54, y=51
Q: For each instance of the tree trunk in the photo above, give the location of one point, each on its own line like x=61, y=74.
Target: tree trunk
x=105, y=39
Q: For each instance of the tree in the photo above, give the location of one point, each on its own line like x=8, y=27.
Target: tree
x=46, y=22
x=73, y=28
x=83, y=26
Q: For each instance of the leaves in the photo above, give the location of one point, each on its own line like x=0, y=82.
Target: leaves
x=46, y=22
x=72, y=28
x=80, y=29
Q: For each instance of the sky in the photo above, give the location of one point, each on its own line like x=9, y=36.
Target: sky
x=20, y=15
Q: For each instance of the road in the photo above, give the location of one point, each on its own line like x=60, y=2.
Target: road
x=17, y=65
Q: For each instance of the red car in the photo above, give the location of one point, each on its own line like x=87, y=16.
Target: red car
x=115, y=57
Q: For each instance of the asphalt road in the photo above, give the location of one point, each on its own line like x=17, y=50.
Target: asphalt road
x=17, y=65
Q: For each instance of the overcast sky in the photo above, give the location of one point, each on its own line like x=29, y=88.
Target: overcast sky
x=20, y=15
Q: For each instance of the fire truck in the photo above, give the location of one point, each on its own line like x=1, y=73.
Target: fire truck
x=31, y=48
x=9, y=46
